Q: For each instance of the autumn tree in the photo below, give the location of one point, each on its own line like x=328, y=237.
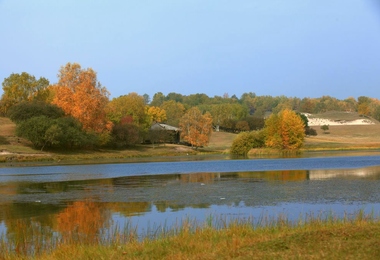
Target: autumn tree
x=22, y=87
x=156, y=114
x=196, y=128
x=364, y=105
x=128, y=105
x=130, y=118
x=80, y=95
x=242, y=126
x=284, y=131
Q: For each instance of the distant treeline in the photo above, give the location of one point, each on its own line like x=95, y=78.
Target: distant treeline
x=227, y=110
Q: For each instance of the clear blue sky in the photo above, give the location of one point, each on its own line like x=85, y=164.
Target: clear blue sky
x=296, y=48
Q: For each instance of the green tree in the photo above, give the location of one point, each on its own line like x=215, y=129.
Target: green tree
x=174, y=96
x=284, y=131
x=174, y=112
x=255, y=123
x=158, y=99
x=325, y=128
x=26, y=110
x=23, y=87
x=34, y=130
x=146, y=99
x=64, y=132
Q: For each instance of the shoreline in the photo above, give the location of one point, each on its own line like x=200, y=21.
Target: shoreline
x=9, y=159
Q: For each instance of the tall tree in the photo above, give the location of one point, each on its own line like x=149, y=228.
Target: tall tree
x=196, y=128
x=284, y=131
x=80, y=95
x=23, y=87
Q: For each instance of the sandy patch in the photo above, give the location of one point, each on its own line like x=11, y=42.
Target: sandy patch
x=323, y=121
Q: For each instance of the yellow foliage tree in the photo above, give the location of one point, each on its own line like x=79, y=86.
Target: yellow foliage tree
x=284, y=131
x=156, y=114
x=131, y=105
x=196, y=128
x=80, y=95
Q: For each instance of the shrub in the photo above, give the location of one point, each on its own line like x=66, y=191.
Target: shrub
x=325, y=128
x=245, y=141
x=65, y=132
x=310, y=131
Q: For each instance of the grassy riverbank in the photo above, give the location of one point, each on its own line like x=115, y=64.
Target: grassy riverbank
x=317, y=238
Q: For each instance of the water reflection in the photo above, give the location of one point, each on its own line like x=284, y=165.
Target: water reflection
x=92, y=207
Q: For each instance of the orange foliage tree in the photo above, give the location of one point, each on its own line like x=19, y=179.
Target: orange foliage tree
x=80, y=95
x=196, y=128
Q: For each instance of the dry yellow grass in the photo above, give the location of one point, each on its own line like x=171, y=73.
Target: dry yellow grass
x=346, y=136
x=7, y=127
x=317, y=239
x=221, y=141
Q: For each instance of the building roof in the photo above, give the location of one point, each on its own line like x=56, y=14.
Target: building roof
x=160, y=126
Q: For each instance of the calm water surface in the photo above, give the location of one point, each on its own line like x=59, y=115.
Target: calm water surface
x=153, y=195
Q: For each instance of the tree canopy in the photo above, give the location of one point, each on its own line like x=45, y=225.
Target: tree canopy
x=80, y=95
x=284, y=131
x=196, y=128
x=22, y=87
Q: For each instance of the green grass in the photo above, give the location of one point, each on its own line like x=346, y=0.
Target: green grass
x=310, y=238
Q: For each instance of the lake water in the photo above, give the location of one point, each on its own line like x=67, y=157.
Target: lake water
x=152, y=196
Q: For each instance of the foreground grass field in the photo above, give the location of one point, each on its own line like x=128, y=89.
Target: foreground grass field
x=328, y=238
